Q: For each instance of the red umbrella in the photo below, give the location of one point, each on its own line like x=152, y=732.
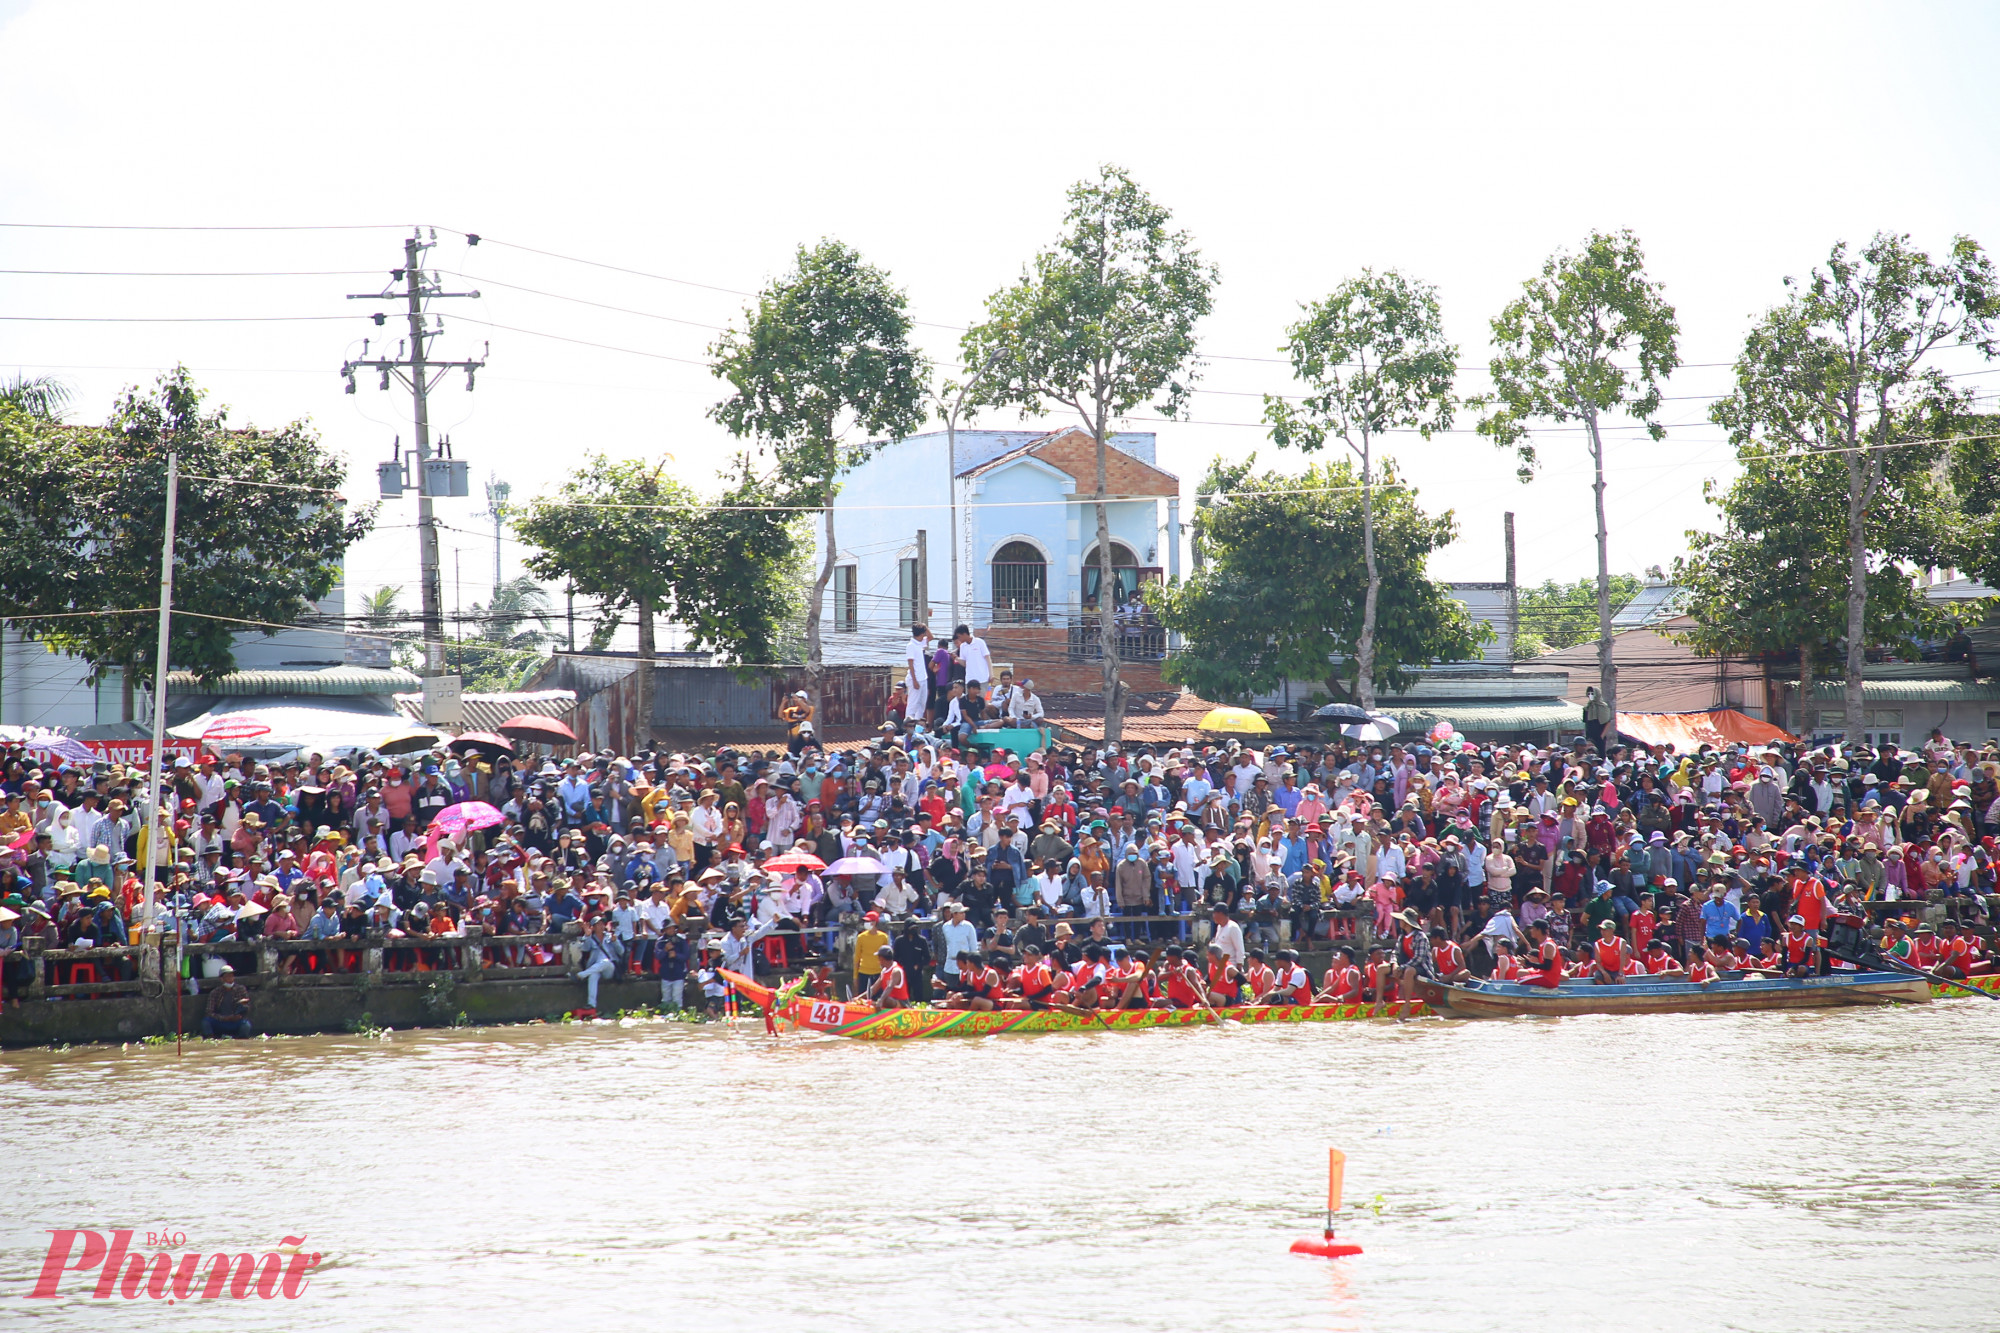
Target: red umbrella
x=794, y=862
x=538, y=727
x=483, y=741
x=233, y=729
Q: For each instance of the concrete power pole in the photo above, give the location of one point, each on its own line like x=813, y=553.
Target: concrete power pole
x=420, y=375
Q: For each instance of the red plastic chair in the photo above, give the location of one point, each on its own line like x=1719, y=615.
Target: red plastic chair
x=76, y=971
x=774, y=952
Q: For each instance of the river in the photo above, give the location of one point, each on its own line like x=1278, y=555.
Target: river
x=1813, y=1171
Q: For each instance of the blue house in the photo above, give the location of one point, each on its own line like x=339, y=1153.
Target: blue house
x=997, y=531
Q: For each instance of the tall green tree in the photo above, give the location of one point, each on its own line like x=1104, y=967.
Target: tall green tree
x=1846, y=367
x=1772, y=578
x=260, y=536
x=1562, y=615
x=1558, y=359
x=1280, y=593
x=1100, y=323
x=624, y=533
x=1373, y=357
x=822, y=374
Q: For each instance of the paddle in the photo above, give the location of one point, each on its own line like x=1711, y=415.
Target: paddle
x=1895, y=964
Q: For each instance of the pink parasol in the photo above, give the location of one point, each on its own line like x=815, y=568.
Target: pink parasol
x=795, y=861
x=855, y=865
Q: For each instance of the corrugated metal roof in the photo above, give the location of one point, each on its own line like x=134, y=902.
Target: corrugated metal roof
x=485, y=712
x=1537, y=715
x=340, y=680
x=1912, y=691
x=1653, y=603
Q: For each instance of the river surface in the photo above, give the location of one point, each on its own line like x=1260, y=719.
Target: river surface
x=1821, y=1171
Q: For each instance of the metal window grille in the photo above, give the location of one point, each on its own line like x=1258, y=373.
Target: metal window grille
x=1020, y=586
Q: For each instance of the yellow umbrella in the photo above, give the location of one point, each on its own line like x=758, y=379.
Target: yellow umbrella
x=410, y=741
x=1247, y=721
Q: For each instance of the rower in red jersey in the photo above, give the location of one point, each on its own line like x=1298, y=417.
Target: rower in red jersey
x=1447, y=959
x=1378, y=976
x=1699, y=970
x=1131, y=986
x=1257, y=977
x=1037, y=981
x=1087, y=980
x=1660, y=960
x=1225, y=984
x=1291, y=984
x=1506, y=967
x=1609, y=954
x=982, y=985
x=891, y=989
x=1801, y=948
x=1545, y=961
x=1343, y=980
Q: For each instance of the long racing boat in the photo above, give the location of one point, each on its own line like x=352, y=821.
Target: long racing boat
x=868, y=1023
x=1508, y=999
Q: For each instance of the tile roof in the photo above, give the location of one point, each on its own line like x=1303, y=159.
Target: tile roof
x=1150, y=719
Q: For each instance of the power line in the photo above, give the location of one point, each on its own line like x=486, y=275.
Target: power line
x=135, y=226
x=170, y=319
x=182, y=273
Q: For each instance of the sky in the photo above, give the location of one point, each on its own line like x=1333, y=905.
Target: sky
x=1298, y=144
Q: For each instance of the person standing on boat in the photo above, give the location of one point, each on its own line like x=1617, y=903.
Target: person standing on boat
x=1227, y=936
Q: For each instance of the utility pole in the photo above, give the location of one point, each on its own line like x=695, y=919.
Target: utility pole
x=920, y=596
x=420, y=375
x=153, y=802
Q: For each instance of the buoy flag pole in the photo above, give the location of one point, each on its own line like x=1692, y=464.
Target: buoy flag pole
x=1329, y=1248
x=1336, y=1171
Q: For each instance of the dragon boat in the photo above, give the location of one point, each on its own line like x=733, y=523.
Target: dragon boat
x=867, y=1023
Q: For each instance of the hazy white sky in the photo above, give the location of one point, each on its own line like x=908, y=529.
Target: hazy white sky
x=1298, y=143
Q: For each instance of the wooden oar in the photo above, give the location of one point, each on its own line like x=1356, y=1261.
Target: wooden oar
x=1889, y=962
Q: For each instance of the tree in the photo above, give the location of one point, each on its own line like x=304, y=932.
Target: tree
x=517, y=603
x=1562, y=615
x=1773, y=580
x=1100, y=323
x=1281, y=590
x=824, y=356
x=622, y=532
x=1841, y=368
x=1558, y=343
x=1373, y=357
x=41, y=396
x=383, y=608
x=260, y=536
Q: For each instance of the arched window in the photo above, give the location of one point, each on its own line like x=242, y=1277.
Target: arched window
x=1020, y=585
x=1124, y=575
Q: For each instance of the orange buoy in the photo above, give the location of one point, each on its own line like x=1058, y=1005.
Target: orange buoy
x=1328, y=1247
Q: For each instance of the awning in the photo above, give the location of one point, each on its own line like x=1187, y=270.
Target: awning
x=1688, y=731
x=297, y=726
x=1528, y=717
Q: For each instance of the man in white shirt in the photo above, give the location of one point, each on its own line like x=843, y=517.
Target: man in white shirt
x=446, y=864
x=1024, y=705
x=1226, y=935
x=917, y=672
x=973, y=652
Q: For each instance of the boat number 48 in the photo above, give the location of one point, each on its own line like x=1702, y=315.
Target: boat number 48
x=828, y=1012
